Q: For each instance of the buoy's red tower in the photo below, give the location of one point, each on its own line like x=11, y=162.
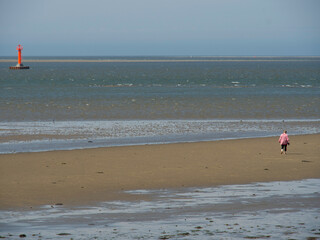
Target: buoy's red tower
x=19, y=65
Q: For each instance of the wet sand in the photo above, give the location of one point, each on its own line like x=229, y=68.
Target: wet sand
x=274, y=210
x=81, y=177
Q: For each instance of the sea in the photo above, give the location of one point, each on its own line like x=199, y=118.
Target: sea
x=85, y=102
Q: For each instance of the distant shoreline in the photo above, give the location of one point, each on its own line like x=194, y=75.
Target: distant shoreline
x=159, y=60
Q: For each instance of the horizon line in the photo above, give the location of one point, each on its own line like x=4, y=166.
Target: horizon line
x=157, y=55
x=141, y=59
x=154, y=59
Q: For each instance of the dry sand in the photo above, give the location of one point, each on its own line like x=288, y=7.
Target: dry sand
x=92, y=175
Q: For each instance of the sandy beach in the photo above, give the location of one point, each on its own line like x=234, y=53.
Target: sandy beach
x=78, y=177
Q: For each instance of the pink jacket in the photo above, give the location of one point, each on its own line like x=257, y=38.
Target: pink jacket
x=283, y=139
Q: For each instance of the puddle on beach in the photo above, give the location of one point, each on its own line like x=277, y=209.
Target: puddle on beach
x=275, y=210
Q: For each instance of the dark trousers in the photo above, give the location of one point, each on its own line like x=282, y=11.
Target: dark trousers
x=284, y=147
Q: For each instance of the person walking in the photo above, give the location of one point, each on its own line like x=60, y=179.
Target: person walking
x=284, y=142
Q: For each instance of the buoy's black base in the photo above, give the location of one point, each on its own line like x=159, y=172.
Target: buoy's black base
x=20, y=67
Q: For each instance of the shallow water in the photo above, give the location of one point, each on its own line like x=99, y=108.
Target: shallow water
x=58, y=135
x=275, y=210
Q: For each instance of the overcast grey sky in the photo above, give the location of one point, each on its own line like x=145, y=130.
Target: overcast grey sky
x=160, y=27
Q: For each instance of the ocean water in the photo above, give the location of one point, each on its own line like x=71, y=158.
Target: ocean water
x=168, y=99
x=275, y=210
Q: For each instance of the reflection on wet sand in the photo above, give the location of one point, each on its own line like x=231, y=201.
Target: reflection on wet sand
x=275, y=210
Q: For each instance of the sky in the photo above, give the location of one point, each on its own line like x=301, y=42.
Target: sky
x=160, y=27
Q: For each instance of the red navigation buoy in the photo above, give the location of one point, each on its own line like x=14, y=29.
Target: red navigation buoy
x=19, y=65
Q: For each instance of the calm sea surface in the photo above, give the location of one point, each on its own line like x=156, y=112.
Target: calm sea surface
x=108, y=95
